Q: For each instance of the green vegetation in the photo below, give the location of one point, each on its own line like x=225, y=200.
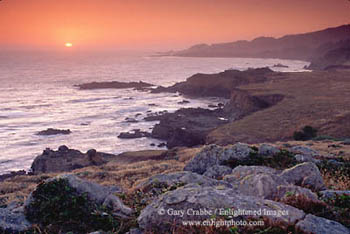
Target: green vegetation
x=58, y=207
x=307, y=133
x=283, y=159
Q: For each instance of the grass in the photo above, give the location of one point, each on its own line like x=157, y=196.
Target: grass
x=318, y=99
x=129, y=175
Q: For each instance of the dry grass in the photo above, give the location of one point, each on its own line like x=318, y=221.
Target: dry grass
x=317, y=99
x=125, y=175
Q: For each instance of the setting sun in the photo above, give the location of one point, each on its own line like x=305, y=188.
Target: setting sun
x=68, y=44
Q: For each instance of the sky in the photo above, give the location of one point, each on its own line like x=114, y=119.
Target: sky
x=159, y=24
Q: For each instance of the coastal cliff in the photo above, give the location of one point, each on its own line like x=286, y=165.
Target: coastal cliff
x=299, y=46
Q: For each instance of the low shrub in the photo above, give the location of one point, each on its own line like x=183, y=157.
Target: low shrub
x=307, y=133
x=57, y=207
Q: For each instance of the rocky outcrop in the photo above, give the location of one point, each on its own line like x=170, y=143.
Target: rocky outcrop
x=65, y=159
x=52, y=131
x=242, y=103
x=187, y=127
x=213, y=155
x=115, y=85
x=137, y=133
x=217, y=85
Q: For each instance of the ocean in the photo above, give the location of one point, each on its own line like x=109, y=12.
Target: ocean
x=37, y=92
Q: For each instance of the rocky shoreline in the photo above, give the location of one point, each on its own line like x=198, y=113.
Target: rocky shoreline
x=286, y=186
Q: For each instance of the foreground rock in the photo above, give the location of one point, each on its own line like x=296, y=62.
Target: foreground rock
x=65, y=159
x=305, y=175
x=314, y=224
x=13, y=220
x=213, y=203
x=115, y=85
x=213, y=155
x=177, y=179
x=52, y=131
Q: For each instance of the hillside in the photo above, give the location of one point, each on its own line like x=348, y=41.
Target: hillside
x=319, y=99
x=335, y=56
x=299, y=46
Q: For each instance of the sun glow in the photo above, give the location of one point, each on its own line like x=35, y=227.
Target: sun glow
x=68, y=44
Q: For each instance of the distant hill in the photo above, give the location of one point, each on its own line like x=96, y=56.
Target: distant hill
x=334, y=56
x=299, y=46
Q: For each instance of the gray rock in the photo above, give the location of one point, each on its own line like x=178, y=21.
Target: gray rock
x=13, y=220
x=240, y=172
x=217, y=171
x=305, y=175
x=346, y=142
x=178, y=179
x=268, y=150
x=304, y=150
x=285, y=191
x=332, y=194
x=259, y=185
x=211, y=202
x=238, y=152
x=317, y=225
x=305, y=158
x=214, y=155
x=209, y=156
x=97, y=193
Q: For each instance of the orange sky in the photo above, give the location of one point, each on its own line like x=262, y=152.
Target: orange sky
x=159, y=24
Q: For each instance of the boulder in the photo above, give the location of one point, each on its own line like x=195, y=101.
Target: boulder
x=285, y=191
x=305, y=158
x=177, y=179
x=268, y=150
x=305, y=175
x=13, y=220
x=209, y=202
x=317, y=225
x=259, y=185
x=240, y=172
x=65, y=159
x=217, y=171
x=303, y=150
x=214, y=155
x=209, y=156
x=332, y=194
